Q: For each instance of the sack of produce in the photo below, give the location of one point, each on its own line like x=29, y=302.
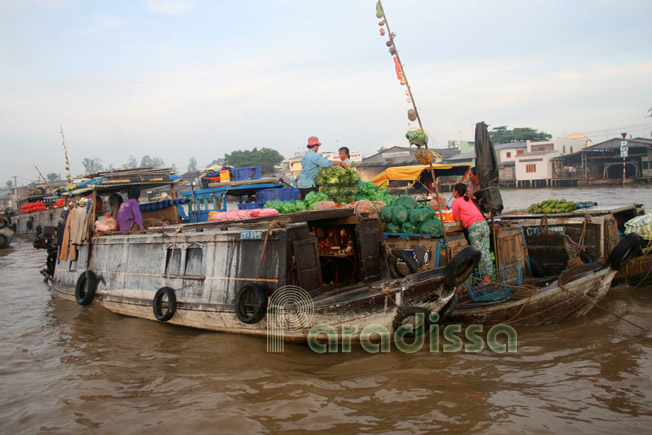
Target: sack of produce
x=386, y=213
x=325, y=205
x=420, y=215
x=392, y=228
x=432, y=226
x=406, y=201
x=400, y=214
x=106, y=223
x=409, y=227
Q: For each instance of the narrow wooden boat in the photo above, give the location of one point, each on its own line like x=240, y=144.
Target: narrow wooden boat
x=550, y=300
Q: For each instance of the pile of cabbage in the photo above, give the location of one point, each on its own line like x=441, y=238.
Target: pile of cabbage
x=374, y=193
x=405, y=215
x=312, y=201
x=339, y=184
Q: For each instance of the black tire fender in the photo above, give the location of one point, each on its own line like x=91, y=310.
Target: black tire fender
x=157, y=304
x=4, y=241
x=85, y=288
x=461, y=265
x=628, y=248
x=251, y=304
x=408, y=258
x=38, y=230
x=3, y=222
x=391, y=265
x=13, y=227
x=448, y=309
x=404, y=313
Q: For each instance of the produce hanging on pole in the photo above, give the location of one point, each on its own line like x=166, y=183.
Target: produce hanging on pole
x=419, y=137
x=65, y=150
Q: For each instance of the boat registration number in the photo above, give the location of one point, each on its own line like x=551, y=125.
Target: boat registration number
x=557, y=229
x=251, y=235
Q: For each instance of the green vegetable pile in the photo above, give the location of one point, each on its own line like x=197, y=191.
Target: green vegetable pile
x=339, y=184
x=285, y=207
x=551, y=206
x=372, y=192
x=406, y=216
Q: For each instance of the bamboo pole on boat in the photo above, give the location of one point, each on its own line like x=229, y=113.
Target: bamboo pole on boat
x=416, y=112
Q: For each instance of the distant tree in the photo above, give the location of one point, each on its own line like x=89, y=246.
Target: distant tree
x=132, y=163
x=266, y=157
x=503, y=135
x=381, y=149
x=218, y=161
x=10, y=184
x=192, y=164
x=52, y=177
x=151, y=162
x=649, y=115
x=92, y=166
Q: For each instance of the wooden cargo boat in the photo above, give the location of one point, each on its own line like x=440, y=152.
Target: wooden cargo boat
x=589, y=234
x=548, y=300
x=225, y=276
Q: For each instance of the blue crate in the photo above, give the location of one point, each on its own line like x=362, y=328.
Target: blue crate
x=508, y=276
x=250, y=205
x=248, y=173
x=288, y=194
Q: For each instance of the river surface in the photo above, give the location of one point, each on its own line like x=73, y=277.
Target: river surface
x=71, y=369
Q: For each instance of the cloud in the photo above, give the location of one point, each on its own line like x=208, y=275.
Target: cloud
x=97, y=26
x=171, y=7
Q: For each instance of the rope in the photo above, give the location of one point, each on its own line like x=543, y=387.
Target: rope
x=177, y=230
x=595, y=304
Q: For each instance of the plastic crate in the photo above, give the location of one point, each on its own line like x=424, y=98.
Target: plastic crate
x=287, y=194
x=508, y=276
x=250, y=205
x=249, y=173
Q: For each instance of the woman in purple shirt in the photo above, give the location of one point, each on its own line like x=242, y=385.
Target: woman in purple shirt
x=129, y=217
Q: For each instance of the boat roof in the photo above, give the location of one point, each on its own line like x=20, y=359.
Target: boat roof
x=412, y=173
x=113, y=181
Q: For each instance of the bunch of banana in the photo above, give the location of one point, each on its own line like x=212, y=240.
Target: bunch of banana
x=551, y=206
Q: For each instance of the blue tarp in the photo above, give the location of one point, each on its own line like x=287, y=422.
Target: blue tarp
x=160, y=205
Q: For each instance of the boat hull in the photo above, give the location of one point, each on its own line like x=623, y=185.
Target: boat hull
x=551, y=304
x=206, y=270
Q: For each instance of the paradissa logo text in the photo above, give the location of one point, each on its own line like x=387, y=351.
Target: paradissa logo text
x=410, y=338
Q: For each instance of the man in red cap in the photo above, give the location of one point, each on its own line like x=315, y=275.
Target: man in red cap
x=310, y=165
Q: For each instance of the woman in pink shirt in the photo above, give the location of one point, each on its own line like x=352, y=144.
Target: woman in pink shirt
x=466, y=212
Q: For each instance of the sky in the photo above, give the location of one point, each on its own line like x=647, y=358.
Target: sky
x=177, y=79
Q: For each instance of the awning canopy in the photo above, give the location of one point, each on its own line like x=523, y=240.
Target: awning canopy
x=413, y=173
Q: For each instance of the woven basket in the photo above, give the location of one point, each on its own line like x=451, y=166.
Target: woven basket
x=424, y=156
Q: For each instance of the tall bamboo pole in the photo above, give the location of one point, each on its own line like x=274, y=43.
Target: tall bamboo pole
x=416, y=111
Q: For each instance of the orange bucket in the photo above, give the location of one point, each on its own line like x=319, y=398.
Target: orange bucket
x=446, y=216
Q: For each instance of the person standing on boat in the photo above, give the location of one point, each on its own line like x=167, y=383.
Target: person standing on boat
x=473, y=186
x=129, y=217
x=311, y=162
x=345, y=157
x=465, y=212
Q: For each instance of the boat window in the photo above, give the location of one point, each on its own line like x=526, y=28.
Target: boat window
x=173, y=261
x=194, y=264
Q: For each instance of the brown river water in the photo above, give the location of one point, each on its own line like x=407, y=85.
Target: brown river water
x=72, y=369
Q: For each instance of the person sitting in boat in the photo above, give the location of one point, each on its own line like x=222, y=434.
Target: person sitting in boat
x=115, y=201
x=129, y=217
x=345, y=157
x=311, y=162
x=473, y=186
x=465, y=212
